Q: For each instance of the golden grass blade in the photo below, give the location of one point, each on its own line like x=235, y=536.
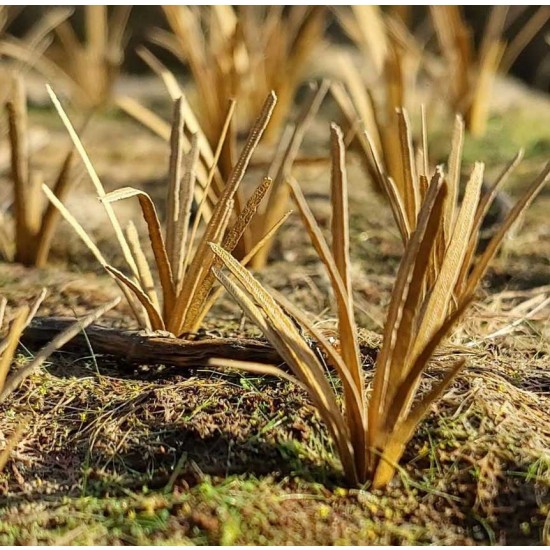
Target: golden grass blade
x=145, y=276
x=318, y=240
x=281, y=167
x=409, y=191
x=361, y=100
x=11, y=341
x=236, y=232
x=491, y=193
x=425, y=152
x=176, y=93
x=3, y=304
x=72, y=221
x=401, y=402
x=50, y=218
x=340, y=212
x=187, y=192
x=145, y=116
x=155, y=236
x=417, y=255
x=95, y=20
x=187, y=302
x=174, y=182
x=371, y=28
x=95, y=180
x=117, y=29
x=392, y=192
x=31, y=313
x=353, y=399
x=478, y=112
x=255, y=368
x=230, y=241
x=295, y=351
x=270, y=321
x=453, y=179
x=340, y=251
x=86, y=239
x=46, y=24
x=59, y=341
x=373, y=165
x=167, y=77
x=152, y=312
x=442, y=293
x=36, y=304
x=346, y=322
x=19, y=148
x=525, y=35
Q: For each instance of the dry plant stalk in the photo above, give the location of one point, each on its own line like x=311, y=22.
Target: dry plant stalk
x=182, y=259
x=470, y=74
x=34, y=223
x=210, y=167
x=243, y=56
x=8, y=347
x=434, y=286
x=86, y=70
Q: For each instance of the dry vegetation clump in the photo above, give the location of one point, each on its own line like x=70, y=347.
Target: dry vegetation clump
x=26, y=234
x=470, y=72
x=183, y=293
x=435, y=283
x=213, y=169
x=165, y=450
x=87, y=69
x=8, y=347
x=285, y=153
x=243, y=55
x=396, y=57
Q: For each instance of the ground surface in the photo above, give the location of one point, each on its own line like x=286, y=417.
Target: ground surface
x=113, y=455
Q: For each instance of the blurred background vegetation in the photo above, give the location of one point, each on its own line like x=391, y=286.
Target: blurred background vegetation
x=532, y=65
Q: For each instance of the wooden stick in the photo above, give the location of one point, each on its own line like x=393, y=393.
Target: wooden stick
x=138, y=348
x=135, y=347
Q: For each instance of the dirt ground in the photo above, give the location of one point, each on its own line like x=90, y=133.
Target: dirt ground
x=118, y=455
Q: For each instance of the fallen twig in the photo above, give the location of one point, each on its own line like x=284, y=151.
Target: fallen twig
x=139, y=348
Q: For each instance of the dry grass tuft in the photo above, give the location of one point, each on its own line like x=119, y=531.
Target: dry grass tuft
x=469, y=74
x=84, y=69
x=183, y=260
x=396, y=57
x=8, y=347
x=29, y=240
x=435, y=283
x=243, y=55
x=215, y=166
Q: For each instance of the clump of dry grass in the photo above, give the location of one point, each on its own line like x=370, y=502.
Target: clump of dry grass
x=396, y=57
x=85, y=69
x=242, y=55
x=286, y=150
x=8, y=347
x=435, y=283
x=469, y=72
x=29, y=239
x=182, y=258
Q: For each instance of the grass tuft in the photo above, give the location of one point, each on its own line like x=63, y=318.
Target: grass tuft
x=435, y=284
